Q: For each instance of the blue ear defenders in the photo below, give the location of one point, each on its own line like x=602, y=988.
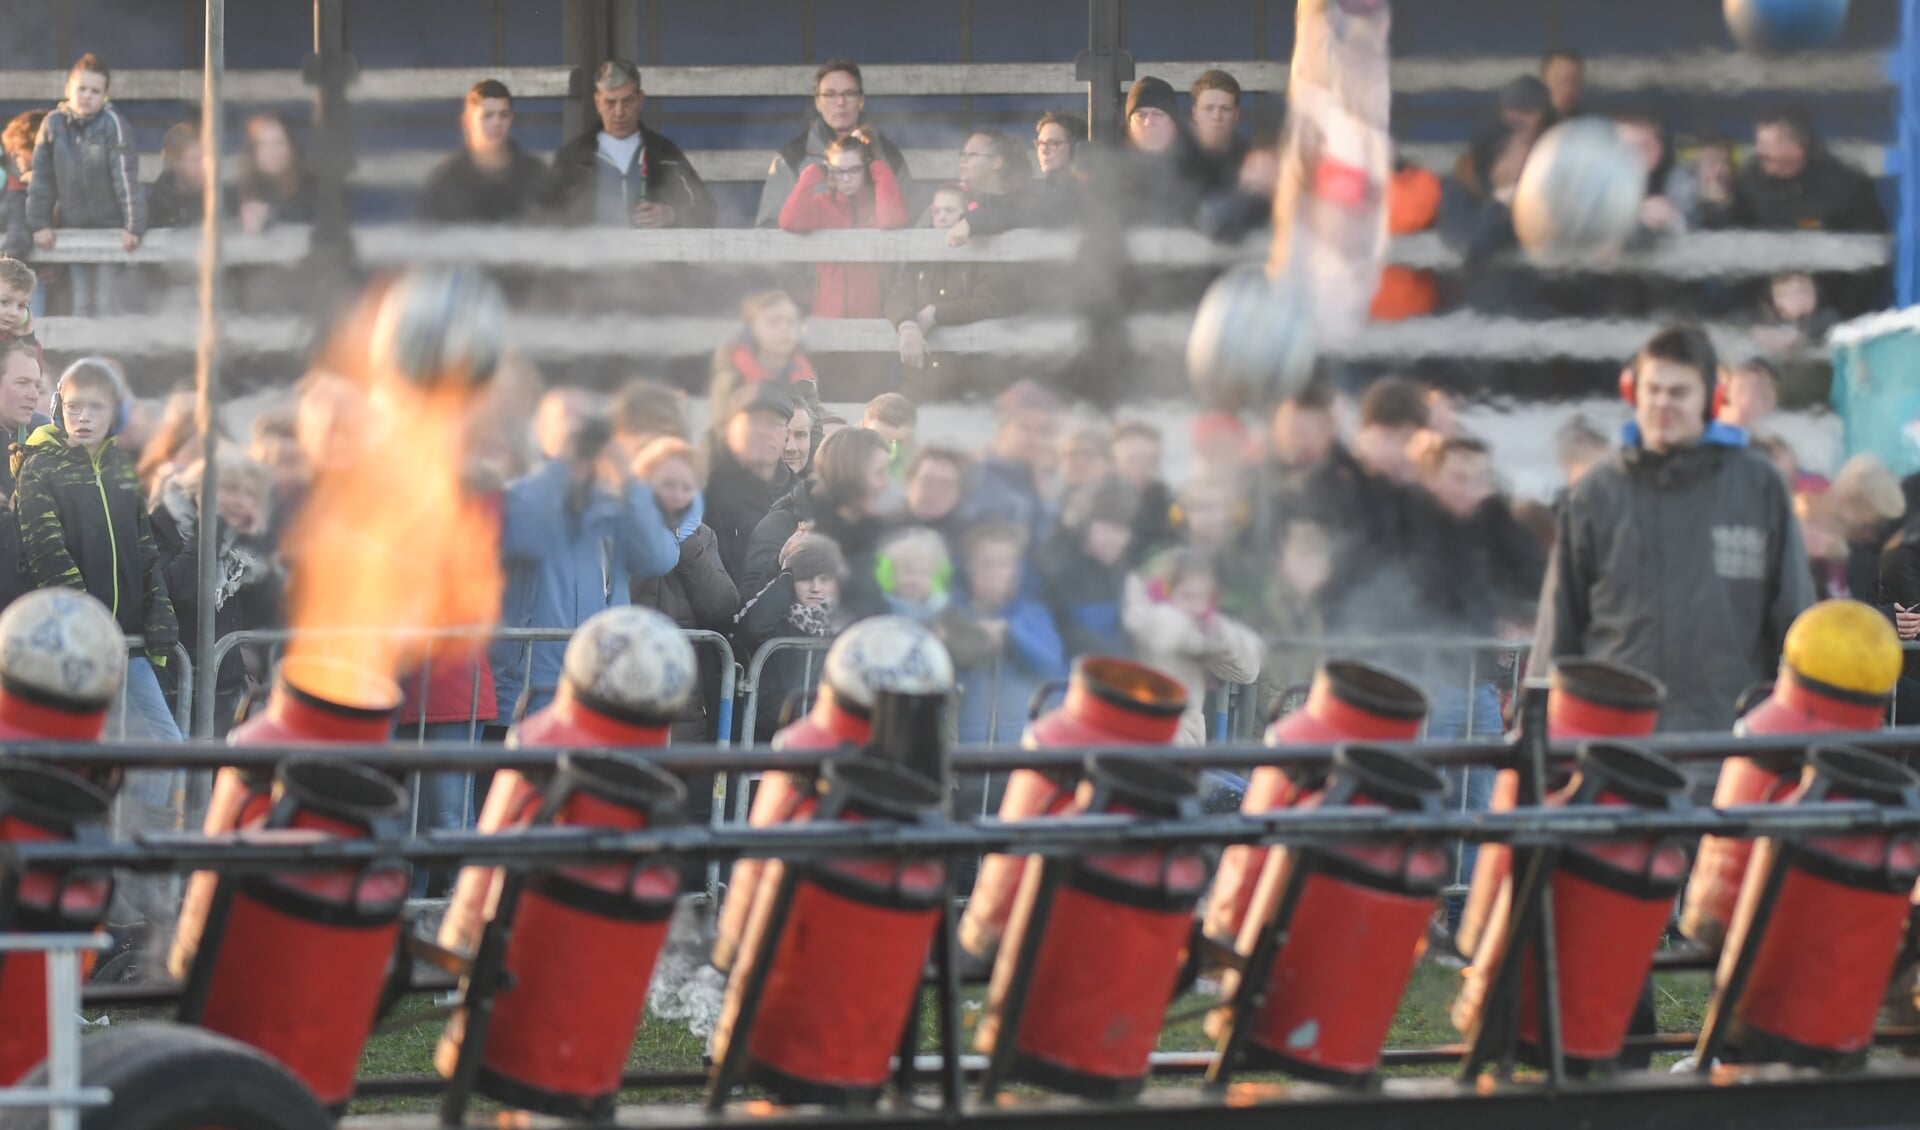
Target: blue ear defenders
x=113, y=373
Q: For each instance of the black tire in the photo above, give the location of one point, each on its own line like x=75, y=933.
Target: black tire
x=171, y=1077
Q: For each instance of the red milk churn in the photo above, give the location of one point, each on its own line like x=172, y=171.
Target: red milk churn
x=623, y=680
x=1354, y=932
x=1109, y=702
x=843, y=951
x=294, y=964
x=584, y=944
x=1110, y=945
x=1827, y=947
x=1586, y=698
x=1349, y=701
x=879, y=654
x=1837, y=669
x=1611, y=902
x=40, y=804
x=358, y=707
x=60, y=668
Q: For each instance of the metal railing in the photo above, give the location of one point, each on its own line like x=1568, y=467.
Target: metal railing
x=62, y=1094
x=180, y=665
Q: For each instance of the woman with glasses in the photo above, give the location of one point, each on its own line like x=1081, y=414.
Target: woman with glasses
x=853, y=189
x=1051, y=200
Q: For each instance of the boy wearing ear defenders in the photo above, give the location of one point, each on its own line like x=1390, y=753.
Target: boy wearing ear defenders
x=84, y=525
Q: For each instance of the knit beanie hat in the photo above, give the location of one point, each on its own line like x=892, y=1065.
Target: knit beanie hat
x=1155, y=93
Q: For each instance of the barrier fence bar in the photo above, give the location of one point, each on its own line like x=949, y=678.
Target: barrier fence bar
x=63, y=1095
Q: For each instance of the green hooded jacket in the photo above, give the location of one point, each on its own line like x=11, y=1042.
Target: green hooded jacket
x=84, y=525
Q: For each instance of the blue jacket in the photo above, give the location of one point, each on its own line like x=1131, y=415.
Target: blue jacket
x=562, y=568
x=993, y=704
x=999, y=488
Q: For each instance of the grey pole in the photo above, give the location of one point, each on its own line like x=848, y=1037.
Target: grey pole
x=207, y=360
x=1103, y=66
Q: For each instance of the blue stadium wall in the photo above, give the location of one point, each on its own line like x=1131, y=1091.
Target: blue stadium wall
x=44, y=34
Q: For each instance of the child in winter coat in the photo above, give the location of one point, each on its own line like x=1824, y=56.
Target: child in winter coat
x=16, y=163
x=1172, y=612
x=915, y=572
x=855, y=188
x=86, y=174
x=801, y=602
x=698, y=593
x=1004, y=643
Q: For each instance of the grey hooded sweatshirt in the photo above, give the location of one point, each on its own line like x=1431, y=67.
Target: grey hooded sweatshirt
x=86, y=174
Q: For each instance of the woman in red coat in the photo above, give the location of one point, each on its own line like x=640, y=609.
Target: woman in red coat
x=852, y=190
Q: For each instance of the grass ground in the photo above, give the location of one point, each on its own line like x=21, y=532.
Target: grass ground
x=662, y=1045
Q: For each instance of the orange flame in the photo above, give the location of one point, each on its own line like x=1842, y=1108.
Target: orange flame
x=389, y=541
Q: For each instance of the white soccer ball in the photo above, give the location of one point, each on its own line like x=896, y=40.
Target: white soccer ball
x=1252, y=342
x=1580, y=191
x=887, y=653
x=438, y=325
x=64, y=646
x=632, y=661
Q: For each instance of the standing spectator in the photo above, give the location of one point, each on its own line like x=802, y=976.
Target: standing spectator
x=19, y=395
x=841, y=501
x=934, y=478
x=839, y=104
x=643, y=411
x=491, y=180
x=855, y=188
x=16, y=164
x=622, y=174
x=1291, y=609
x=1003, y=641
x=275, y=185
x=1053, y=200
x=802, y=601
x=250, y=593
x=1898, y=595
x=1082, y=567
x=915, y=573
x=1564, y=72
x=1579, y=447
x=1793, y=183
x=274, y=444
x=559, y=415
x=86, y=174
x=698, y=593
x=1300, y=439
x=1713, y=181
x=798, y=452
x=174, y=197
x=84, y=525
x=1866, y=507
x=18, y=284
x=993, y=165
x=1672, y=193
x=895, y=417
x=1008, y=483
x=574, y=535
x=1707, y=612
x=768, y=349
x=747, y=476
x=1165, y=178
x=1216, y=124
x=1136, y=453
x=173, y=446
x=1791, y=317
x=948, y=293
x=1085, y=455
x=1752, y=394
x=1172, y=612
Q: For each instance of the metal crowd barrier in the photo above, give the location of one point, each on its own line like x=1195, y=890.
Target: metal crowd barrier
x=63, y=1095
x=180, y=665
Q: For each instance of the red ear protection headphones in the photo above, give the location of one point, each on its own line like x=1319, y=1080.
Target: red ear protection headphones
x=1629, y=386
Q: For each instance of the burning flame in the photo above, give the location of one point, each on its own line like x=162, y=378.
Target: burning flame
x=389, y=540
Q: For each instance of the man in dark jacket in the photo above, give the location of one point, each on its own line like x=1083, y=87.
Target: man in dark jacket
x=491, y=180
x=840, y=502
x=623, y=174
x=83, y=524
x=1166, y=175
x=174, y=199
x=747, y=476
x=1005, y=484
x=839, y=102
x=19, y=394
x=1679, y=556
x=1794, y=183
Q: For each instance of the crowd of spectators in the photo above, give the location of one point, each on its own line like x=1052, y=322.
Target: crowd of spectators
x=777, y=520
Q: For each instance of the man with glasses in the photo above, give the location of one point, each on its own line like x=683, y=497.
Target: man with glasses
x=839, y=105
x=622, y=174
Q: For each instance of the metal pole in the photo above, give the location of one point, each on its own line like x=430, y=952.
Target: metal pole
x=1103, y=66
x=329, y=70
x=207, y=360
